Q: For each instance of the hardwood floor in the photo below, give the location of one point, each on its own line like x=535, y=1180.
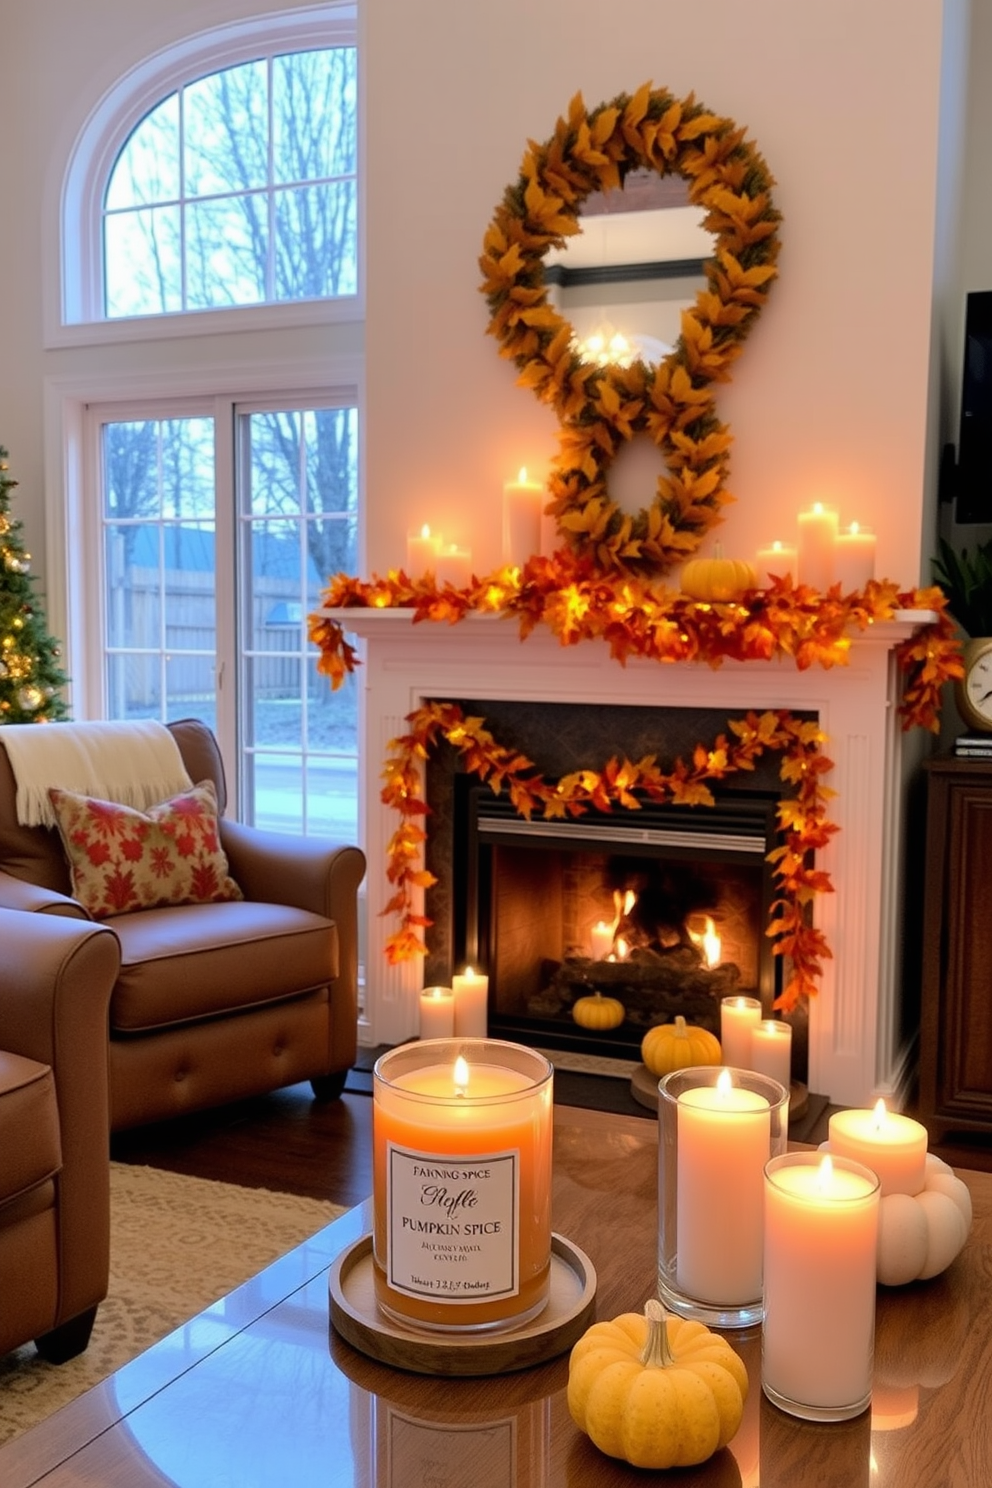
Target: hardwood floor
x=288, y=1142
x=285, y=1141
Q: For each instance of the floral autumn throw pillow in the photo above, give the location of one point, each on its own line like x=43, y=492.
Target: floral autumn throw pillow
x=121, y=859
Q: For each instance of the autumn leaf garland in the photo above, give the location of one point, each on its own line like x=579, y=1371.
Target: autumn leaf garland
x=600, y=408
x=802, y=817
x=636, y=617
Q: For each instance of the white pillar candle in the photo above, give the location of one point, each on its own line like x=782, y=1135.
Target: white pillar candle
x=815, y=548
x=893, y=1146
x=821, y=1234
x=453, y=565
x=422, y=549
x=522, y=503
x=437, y=1012
x=471, y=991
x=771, y=1050
x=854, y=558
x=724, y=1142
x=601, y=939
x=738, y=1015
x=778, y=561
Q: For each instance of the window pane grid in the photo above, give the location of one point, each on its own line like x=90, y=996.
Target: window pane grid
x=228, y=237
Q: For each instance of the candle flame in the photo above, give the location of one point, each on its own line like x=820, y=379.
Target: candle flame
x=818, y=507
x=880, y=1112
x=461, y=1075
x=469, y=973
x=425, y=531
x=724, y=1083
x=825, y=1173
x=522, y=477
x=854, y=529
x=777, y=545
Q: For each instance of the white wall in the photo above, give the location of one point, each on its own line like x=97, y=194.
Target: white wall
x=829, y=399
x=830, y=396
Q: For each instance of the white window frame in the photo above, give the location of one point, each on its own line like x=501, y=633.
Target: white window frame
x=74, y=298
x=73, y=463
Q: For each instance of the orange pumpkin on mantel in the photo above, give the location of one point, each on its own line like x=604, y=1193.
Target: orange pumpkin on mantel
x=717, y=580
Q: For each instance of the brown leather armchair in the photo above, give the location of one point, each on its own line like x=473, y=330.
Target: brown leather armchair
x=56, y=977
x=216, y=1002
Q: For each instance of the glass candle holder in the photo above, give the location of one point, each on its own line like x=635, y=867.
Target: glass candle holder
x=461, y=1133
x=821, y=1236
x=718, y=1128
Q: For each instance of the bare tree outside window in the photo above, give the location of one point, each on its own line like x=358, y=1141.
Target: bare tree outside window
x=238, y=189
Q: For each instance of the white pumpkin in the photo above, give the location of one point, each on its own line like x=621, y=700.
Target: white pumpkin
x=919, y=1236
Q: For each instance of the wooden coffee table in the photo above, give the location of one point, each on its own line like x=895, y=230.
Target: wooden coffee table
x=256, y=1392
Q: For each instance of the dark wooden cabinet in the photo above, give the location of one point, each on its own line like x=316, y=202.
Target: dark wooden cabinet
x=956, y=1013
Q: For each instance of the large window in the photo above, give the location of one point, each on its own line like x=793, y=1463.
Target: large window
x=238, y=189
x=210, y=489
x=192, y=616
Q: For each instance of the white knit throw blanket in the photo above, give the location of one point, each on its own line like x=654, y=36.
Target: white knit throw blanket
x=134, y=764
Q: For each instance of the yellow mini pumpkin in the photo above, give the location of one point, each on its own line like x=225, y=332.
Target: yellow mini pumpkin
x=656, y=1392
x=672, y=1046
x=598, y=1011
x=717, y=579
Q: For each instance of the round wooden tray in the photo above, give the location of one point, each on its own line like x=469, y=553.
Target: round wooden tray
x=644, y=1089
x=356, y=1317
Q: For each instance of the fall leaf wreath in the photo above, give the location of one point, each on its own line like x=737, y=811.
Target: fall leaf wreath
x=604, y=582
x=599, y=408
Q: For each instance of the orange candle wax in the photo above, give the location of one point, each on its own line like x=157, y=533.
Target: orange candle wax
x=462, y=1183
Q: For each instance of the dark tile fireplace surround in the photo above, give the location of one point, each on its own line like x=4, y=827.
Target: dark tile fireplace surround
x=517, y=900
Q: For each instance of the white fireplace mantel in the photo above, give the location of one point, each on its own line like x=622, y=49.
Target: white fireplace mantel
x=856, y=1048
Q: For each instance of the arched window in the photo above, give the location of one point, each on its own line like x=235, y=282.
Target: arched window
x=205, y=498
x=220, y=173
x=237, y=189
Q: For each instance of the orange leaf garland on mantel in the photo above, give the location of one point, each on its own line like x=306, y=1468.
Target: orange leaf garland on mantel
x=636, y=616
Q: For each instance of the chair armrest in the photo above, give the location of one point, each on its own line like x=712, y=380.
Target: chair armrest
x=314, y=874
x=56, y=979
x=16, y=894
x=305, y=872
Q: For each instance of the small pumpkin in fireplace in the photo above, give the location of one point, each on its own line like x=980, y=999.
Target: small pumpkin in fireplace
x=657, y=1392
x=597, y=1011
x=717, y=580
x=679, y=1045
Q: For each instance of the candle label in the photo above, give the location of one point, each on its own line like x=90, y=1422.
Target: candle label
x=452, y=1224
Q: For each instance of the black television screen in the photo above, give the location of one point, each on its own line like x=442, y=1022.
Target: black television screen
x=974, y=472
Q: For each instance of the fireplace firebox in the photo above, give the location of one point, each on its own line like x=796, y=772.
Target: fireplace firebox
x=663, y=909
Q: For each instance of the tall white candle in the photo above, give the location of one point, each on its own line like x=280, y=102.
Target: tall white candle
x=778, y=561
x=854, y=558
x=738, y=1015
x=893, y=1146
x=471, y=991
x=523, y=500
x=422, y=549
x=724, y=1141
x=816, y=545
x=821, y=1234
x=437, y=1012
x=771, y=1050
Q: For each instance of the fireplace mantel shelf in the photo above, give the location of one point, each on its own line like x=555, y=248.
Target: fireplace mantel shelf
x=858, y=1047
x=373, y=622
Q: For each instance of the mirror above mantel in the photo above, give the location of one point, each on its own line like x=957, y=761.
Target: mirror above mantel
x=637, y=263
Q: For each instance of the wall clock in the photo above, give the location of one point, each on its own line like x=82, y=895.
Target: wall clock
x=974, y=691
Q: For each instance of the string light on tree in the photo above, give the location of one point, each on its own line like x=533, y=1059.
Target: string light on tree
x=30, y=676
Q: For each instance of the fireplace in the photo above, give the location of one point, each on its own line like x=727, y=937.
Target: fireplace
x=862, y=1025
x=663, y=909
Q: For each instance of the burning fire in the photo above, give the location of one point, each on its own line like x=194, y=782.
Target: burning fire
x=708, y=941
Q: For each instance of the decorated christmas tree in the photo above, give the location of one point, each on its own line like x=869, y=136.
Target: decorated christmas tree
x=30, y=676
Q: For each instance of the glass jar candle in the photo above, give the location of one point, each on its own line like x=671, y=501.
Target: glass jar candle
x=462, y=1133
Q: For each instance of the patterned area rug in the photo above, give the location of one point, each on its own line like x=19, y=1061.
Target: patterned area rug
x=177, y=1245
